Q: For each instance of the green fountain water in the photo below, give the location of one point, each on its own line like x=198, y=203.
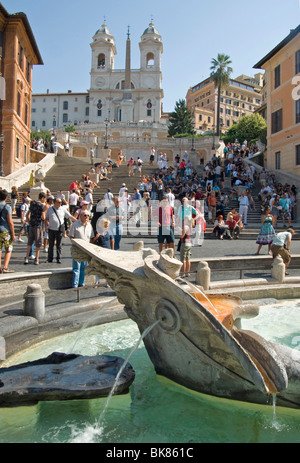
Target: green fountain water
x=156, y=410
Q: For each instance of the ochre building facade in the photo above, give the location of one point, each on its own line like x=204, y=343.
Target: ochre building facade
x=19, y=52
x=281, y=95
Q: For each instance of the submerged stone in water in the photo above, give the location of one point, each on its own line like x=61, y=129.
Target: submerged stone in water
x=63, y=377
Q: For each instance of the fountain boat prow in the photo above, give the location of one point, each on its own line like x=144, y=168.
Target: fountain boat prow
x=197, y=342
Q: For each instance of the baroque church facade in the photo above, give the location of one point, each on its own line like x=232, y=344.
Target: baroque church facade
x=126, y=95
x=115, y=95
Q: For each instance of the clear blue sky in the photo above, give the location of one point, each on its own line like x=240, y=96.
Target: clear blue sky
x=193, y=32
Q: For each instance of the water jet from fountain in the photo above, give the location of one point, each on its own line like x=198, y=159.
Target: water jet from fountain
x=86, y=324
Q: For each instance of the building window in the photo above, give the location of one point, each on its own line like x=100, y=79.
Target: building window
x=21, y=56
x=28, y=72
x=277, y=76
x=25, y=154
x=65, y=105
x=87, y=111
x=149, y=108
x=99, y=112
x=87, y=99
x=298, y=155
x=149, y=60
x=277, y=160
x=297, y=111
x=17, y=148
x=26, y=114
x=297, y=62
x=101, y=61
x=65, y=118
x=277, y=121
x=43, y=123
x=32, y=123
x=19, y=104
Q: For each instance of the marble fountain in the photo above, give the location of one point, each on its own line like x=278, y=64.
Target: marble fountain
x=196, y=340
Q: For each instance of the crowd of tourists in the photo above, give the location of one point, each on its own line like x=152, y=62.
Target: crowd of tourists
x=44, y=145
x=177, y=199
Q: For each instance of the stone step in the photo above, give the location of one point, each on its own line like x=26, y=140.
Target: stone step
x=66, y=170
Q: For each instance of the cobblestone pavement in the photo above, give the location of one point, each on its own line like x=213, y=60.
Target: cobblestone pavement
x=210, y=248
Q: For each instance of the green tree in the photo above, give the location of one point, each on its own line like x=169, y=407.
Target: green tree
x=181, y=120
x=230, y=135
x=251, y=128
x=70, y=128
x=220, y=73
x=44, y=134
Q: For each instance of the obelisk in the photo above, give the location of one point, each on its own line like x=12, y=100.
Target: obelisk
x=127, y=105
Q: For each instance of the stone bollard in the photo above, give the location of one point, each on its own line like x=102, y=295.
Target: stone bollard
x=138, y=246
x=278, y=269
x=203, y=275
x=34, y=302
x=168, y=264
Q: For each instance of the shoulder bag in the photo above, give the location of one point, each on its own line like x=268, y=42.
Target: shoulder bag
x=61, y=227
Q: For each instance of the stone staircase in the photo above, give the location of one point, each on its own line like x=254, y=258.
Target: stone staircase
x=254, y=216
x=66, y=170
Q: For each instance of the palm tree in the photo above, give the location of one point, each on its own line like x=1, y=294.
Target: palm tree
x=220, y=73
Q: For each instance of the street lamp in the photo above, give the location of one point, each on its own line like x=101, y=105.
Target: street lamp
x=106, y=126
x=221, y=131
x=193, y=140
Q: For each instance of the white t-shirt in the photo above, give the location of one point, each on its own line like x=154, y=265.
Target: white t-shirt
x=73, y=198
x=89, y=198
x=282, y=238
x=56, y=217
x=171, y=199
x=79, y=231
x=24, y=208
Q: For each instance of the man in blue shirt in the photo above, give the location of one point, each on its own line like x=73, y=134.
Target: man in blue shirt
x=285, y=203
